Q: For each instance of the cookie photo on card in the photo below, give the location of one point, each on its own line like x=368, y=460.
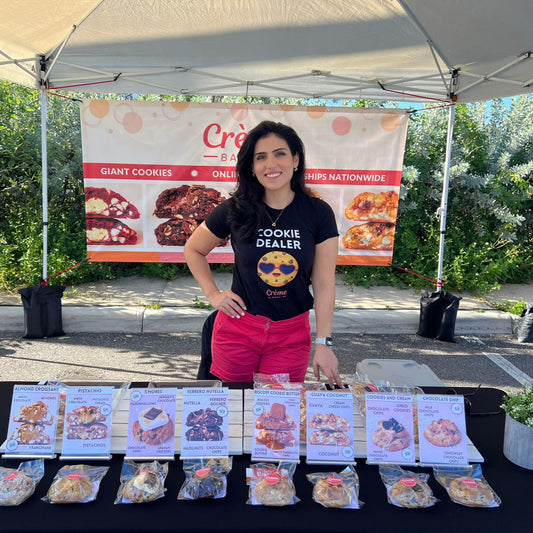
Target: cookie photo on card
x=153, y=426
x=443, y=433
x=390, y=435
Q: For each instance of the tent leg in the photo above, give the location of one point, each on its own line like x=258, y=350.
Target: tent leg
x=444, y=201
x=44, y=170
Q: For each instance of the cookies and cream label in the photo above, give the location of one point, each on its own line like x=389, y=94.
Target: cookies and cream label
x=152, y=423
x=390, y=428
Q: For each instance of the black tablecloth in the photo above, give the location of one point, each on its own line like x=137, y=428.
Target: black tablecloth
x=232, y=514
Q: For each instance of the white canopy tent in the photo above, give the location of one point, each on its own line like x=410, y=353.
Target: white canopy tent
x=408, y=50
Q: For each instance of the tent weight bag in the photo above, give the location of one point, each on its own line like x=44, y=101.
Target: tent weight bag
x=42, y=311
x=438, y=313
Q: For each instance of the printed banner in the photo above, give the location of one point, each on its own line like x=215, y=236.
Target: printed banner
x=154, y=170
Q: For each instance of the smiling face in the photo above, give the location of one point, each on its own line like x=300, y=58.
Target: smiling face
x=273, y=163
x=277, y=268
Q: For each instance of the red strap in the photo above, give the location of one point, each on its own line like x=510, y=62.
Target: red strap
x=45, y=281
x=437, y=283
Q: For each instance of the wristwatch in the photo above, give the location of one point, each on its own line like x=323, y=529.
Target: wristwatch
x=327, y=341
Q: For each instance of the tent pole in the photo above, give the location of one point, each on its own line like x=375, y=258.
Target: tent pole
x=444, y=201
x=44, y=170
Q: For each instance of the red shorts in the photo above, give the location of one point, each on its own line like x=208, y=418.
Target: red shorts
x=253, y=343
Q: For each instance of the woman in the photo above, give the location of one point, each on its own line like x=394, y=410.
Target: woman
x=284, y=239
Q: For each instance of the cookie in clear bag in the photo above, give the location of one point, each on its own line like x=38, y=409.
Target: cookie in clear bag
x=205, y=478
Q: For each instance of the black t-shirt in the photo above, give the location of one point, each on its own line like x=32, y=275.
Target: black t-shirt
x=272, y=273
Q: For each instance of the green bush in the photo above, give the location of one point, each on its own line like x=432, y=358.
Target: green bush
x=489, y=229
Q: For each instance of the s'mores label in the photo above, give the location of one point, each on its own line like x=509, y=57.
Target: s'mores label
x=152, y=423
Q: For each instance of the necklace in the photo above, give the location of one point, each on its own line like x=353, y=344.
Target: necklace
x=274, y=222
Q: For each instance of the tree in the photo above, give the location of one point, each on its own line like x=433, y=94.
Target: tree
x=490, y=206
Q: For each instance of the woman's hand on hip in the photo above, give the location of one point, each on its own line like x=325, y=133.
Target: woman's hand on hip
x=228, y=302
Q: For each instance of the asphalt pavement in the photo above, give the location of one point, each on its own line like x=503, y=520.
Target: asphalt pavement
x=493, y=360
x=137, y=329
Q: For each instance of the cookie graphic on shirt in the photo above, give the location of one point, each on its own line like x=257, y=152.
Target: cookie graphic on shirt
x=277, y=268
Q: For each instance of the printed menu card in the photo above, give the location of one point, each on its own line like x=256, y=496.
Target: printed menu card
x=329, y=425
x=276, y=424
x=152, y=423
x=88, y=418
x=442, y=429
x=33, y=420
x=390, y=428
x=205, y=422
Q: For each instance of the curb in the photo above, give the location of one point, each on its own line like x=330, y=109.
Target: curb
x=94, y=319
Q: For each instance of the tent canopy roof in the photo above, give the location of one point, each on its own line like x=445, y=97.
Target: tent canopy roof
x=328, y=49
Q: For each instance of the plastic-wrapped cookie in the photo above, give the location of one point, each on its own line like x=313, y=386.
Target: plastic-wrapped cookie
x=332, y=492
x=17, y=485
x=144, y=487
x=336, y=489
x=271, y=484
x=466, y=485
x=471, y=492
x=204, y=484
x=76, y=484
x=411, y=493
x=72, y=488
x=405, y=488
x=15, y=488
x=141, y=482
x=205, y=478
x=276, y=494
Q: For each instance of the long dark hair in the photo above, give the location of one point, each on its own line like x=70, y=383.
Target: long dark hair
x=247, y=206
